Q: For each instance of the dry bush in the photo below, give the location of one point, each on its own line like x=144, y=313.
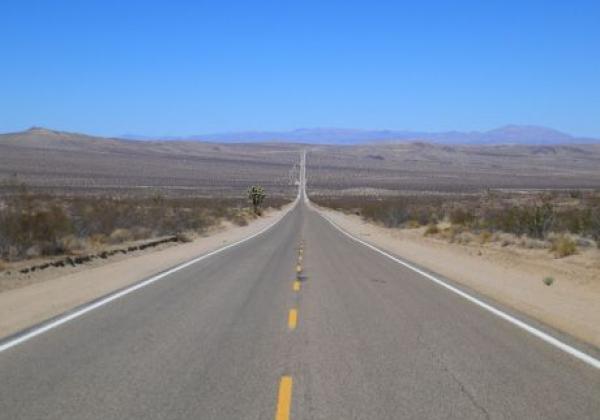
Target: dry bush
x=534, y=220
x=532, y=243
x=451, y=234
x=71, y=243
x=184, y=237
x=412, y=224
x=532, y=215
x=463, y=238
x=461, y=216
x=505, y=239
x=240, y=219
x=36, y=224
x=120, y=235
x=563, y=246
x=484, y=237
x=391, y=212
x=25, y=225
x=432, y=229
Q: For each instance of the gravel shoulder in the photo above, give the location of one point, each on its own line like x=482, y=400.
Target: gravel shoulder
x=57, y=290
x=512, y=276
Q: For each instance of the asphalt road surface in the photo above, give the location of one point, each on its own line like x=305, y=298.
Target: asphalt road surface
x=235, y=337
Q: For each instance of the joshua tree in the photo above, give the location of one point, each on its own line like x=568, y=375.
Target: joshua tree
x=256, y=195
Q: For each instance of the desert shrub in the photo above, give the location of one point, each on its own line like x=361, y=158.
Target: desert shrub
x=532, y=243
x=505, y=239
x=532, y=220
x=579, y=220
x=538, y=220
x=28, y=225
x=484, y=236
x=120, y=235
x=98, y=239
x=431, y=229
x=36, y=224
x=184, y=237
x=461, y=216
x=563, y=246
x=413, y=224
x=71, y=243
x=594, y=226
x=463, y=237
x=451, y=234
x=395, y=216
x=531, y=215
x=425, y=215
x=239, y=219
x=548, y=281
x=391, y=212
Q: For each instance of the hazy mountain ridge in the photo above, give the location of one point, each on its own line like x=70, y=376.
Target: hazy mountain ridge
x=509, y=134
x=532, y=136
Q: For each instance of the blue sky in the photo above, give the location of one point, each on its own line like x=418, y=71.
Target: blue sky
x=189, y=67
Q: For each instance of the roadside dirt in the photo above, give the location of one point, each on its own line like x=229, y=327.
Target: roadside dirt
x=42, y=295
x=510, y=275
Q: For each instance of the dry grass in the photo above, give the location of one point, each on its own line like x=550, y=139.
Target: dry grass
x=120, y=235
x=432, y=229
x=563, y=246
x=528, y=219
x=485, y=236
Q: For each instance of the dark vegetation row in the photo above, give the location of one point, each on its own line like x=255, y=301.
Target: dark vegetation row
x=535, y=215
x=33, y=224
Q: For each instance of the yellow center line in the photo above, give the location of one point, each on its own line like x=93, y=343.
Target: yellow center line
x=284, y=398
x=293, y=319
x=296, y=286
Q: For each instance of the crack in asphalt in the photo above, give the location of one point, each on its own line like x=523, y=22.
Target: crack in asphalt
x=440, y=361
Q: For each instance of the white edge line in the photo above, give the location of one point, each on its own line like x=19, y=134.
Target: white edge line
x=584, y=357
x=103, y=301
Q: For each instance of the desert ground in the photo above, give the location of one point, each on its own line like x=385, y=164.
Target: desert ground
x=58, y=163
x=388, y=169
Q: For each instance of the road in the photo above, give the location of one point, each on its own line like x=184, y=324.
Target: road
x=235, y=337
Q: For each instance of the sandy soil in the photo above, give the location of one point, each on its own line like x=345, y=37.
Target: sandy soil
x=510, y=275
x=54, y=291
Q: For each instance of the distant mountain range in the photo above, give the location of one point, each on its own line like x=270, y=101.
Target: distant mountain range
x=510, y=134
